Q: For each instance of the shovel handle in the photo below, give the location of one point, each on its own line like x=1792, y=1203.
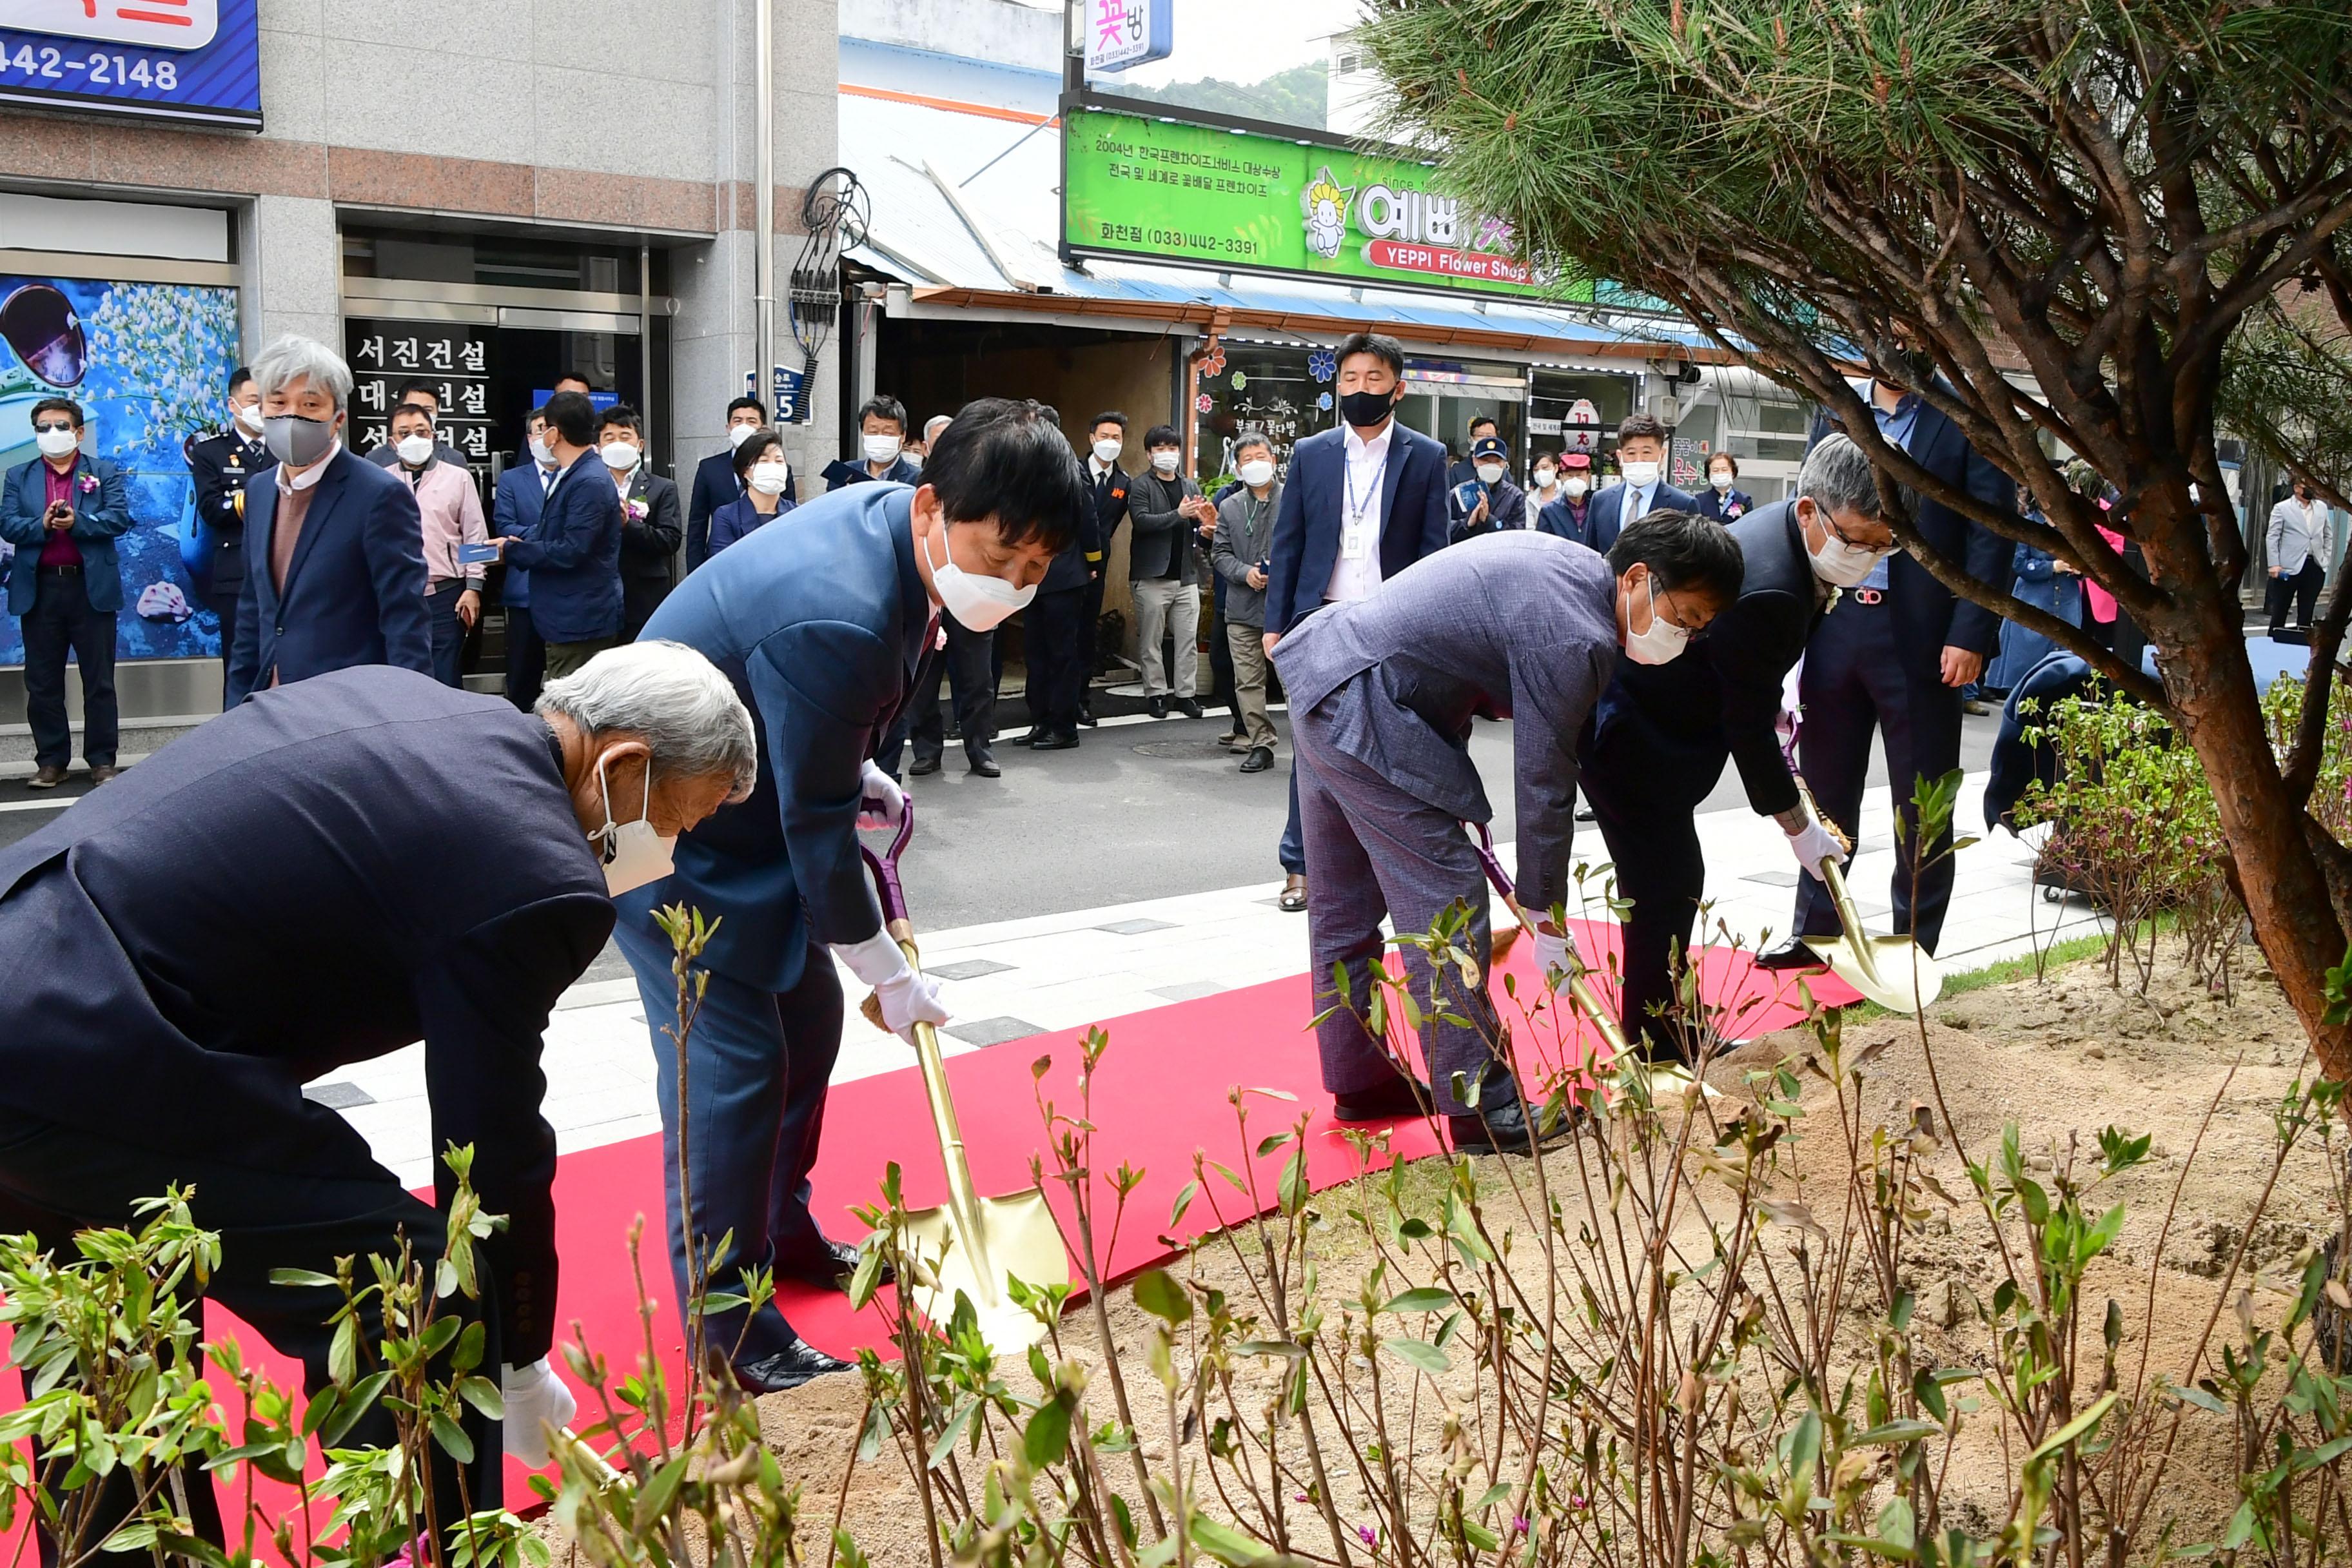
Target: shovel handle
x=1833, y=877
x=1579, y=989
x=885, y=867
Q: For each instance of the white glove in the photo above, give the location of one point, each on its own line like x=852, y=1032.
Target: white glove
x=536, y=1400
x=1815, y=845
x=1554, y=953
x=904, y=997
x=881, y=803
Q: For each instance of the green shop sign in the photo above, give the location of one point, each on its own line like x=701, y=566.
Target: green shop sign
x=1134, y=185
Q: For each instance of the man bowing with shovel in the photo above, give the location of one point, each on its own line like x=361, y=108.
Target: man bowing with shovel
x=820, y=625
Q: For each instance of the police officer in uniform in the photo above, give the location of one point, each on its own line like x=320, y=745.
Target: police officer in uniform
x=222, y=463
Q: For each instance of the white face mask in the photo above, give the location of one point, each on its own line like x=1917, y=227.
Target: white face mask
x=1575, y=485
x=249, y=417
x=1720, y=481
x=1546, y=478
x=414, y=450
x=769, y=478
x=1641, y=476
x=883, y=449
x=1164, y=461
x=619, y=456
x=1663, y=642
x=542, y=453
x=1838, y=563
x=739, y=434
x=634, y=853
x=1107, y=450
x=1490, y=473
x=56, y=443
x=1256, y=471
x=979, y=604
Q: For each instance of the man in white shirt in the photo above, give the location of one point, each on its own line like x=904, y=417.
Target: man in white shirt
x=2302, y=546
x=1641, y=488
x=1361, y=503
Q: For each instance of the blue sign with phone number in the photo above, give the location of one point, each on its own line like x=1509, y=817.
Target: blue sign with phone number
x=156, y=60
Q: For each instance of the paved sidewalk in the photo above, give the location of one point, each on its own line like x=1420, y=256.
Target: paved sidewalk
x=1009, y=980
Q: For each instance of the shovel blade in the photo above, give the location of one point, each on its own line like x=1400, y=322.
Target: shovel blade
x=1020, y=1240
x=1891, y=971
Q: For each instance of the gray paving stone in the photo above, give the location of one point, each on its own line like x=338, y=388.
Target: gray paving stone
x=337, y=1096
x=966, y=968
x=992, y=1031
x=1137, y=928
x=1191, y=990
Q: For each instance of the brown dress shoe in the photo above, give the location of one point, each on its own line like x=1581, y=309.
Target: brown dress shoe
x=1294, y=895
x=101, y=772
x=45, y=777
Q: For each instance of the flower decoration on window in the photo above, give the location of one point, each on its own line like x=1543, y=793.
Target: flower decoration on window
x=1212, y=360
x=1322, y=365
x=1323, y=402
x=1205, y=403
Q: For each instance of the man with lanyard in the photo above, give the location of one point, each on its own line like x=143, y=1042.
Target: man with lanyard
x=1893, y=657
x=1363, y=502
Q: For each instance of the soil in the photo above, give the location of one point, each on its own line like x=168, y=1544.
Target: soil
x=2063, y=1057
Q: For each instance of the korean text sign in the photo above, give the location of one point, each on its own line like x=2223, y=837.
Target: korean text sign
x=162, y=59
x=1176, y=191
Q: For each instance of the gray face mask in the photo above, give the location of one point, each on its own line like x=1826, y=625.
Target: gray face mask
x=296, y=441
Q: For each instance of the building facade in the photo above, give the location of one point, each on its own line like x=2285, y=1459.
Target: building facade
x=483, y=195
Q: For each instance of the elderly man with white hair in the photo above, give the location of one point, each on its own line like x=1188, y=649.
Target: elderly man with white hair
x=334, y=556
x=327, y=873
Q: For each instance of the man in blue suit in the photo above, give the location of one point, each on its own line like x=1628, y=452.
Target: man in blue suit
x=1641, y=488
x=514, y=510
x=62, y=511
x=715, y=480
x=1894, y=658
x=1362, y=502
x=574, y=552
x=335, y=557
x=821, y=626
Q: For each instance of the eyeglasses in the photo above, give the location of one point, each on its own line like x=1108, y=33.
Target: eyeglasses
x=51, y=426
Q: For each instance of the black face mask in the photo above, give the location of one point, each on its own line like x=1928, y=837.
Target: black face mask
x=1365, y=409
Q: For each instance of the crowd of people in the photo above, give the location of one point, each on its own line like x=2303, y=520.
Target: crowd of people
x=719, y=738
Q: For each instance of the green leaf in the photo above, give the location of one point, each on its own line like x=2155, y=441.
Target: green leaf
x=1897, y=1432
x=305, y=1277
x=654, y=1501
x=1048, y=1440
x=485, y=1396
x=2074, y=1429
x=1293, y=1190
x=956, y=1426
x=1225, y=1543
x=1157, y=1292
x=452, y=1438
x=1418, y=1353
x=1494, y=1494
x=1422, y=1299
x=1183, y=1201
x=1930, y=1394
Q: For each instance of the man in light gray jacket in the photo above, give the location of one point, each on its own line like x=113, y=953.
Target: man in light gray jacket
x=1520, y=625
x=2302, y=546
x=1244, y=544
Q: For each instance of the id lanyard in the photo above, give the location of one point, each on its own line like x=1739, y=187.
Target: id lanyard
x=1357, y=528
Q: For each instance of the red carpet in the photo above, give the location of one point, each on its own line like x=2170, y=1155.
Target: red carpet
x=1159, y=1099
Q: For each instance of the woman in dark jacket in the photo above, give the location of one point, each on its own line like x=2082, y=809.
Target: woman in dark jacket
x=1721, y=500
x=760, y=470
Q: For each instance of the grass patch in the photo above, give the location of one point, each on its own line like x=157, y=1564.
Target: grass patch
x=2058, y=955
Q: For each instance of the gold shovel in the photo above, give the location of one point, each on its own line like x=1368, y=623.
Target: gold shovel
x=1893, y=971
x=972, y=1245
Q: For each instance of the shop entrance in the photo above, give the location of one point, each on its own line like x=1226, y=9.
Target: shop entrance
x=1442, y=396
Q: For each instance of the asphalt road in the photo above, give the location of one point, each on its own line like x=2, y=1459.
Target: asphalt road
x=1141, y=810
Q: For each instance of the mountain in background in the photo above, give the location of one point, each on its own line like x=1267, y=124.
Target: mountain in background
x=1295, y=97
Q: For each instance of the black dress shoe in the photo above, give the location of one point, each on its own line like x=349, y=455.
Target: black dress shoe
x=1401, y=1096
x=1790, y=954
x=1156, y=706
x=829, y=1268
x=1502, y=1131
x=1031, y=739
x=1260, y=759
x=1189, y=705
x=924, y=767
x=1087, y=717
x=986, y=767
x=788, y=1368
x=1068, y=742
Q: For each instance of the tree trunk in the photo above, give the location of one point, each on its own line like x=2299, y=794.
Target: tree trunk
x=2211, y=684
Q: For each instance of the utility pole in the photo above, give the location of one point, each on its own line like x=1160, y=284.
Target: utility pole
x=764, y=213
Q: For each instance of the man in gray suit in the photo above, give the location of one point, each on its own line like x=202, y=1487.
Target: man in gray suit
x=1520, y=625
x=2301, y=545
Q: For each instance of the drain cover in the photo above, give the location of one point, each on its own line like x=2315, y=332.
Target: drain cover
x=1196, y=751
